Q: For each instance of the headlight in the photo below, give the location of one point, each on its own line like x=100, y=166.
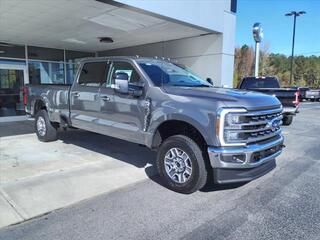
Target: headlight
x=228, y=121
x=232, y=119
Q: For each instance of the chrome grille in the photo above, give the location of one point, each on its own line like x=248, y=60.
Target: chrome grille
x=253, y=126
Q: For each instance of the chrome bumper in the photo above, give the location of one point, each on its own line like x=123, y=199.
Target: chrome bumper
x=290, y=110
x=216, y=154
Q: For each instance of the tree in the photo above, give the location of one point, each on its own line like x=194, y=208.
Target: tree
x=306, y=70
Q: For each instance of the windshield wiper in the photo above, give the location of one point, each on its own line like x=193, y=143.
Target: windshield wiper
x=201, y=85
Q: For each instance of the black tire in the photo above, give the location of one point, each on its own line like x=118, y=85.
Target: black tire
x=198, y=177
x=287, y=120
x=50, y=132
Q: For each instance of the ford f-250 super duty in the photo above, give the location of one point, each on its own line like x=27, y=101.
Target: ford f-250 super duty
x=200, y=132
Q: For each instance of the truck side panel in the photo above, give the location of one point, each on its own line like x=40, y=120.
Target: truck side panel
x=53, y=97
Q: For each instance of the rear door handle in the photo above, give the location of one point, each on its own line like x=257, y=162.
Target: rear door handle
x=76, y=94
x=105, y=98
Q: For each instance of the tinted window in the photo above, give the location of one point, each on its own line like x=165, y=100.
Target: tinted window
x=124, y=67
x=252, y=82
x=49, y=54
x=233, y=7
x=93, y=74
x=12, y=51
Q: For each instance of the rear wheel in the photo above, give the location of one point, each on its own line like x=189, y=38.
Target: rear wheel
x=287, y=120
x=181, y=164
x=45, y=130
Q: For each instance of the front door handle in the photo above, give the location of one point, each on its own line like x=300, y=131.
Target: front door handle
x=105, y=98
x=76, y=94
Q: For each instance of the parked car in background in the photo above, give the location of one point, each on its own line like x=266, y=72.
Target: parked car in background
x=303, y=91
x=313, y=95
x=288, y=97
x=196, y=129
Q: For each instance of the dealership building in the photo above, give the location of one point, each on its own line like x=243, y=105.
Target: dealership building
x=41, y=42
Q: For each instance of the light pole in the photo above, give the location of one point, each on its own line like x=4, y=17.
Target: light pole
x=295, y=15
x=257, y=32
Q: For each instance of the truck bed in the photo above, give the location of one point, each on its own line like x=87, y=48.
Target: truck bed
x=56, y=95
x=285, y=95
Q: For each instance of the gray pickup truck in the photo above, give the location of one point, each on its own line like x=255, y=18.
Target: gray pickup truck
x=201, y=133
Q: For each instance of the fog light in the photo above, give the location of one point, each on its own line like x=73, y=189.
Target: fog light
x=236, y=158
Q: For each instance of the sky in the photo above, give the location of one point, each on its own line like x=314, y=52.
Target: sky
x=278, y=28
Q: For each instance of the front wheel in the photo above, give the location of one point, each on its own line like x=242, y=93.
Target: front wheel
x=46, y=131
x=287, y=120
x=181, y=164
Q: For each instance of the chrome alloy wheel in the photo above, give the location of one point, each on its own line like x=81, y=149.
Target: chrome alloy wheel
x=178, y=165
x=41, y=126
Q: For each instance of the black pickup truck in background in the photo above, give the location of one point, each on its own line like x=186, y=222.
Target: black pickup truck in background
x=288, y=97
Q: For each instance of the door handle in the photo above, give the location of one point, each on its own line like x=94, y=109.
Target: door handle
x=105, y=98
x=76, y=94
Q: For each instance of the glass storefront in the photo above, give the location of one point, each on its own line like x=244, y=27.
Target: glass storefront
x=11, y=96
x=46, y=72
x=42, y=66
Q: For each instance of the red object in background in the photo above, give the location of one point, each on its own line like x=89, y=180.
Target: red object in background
x=25, y=95
x=296, y=102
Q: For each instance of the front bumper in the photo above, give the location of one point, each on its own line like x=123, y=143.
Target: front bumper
x=290, y=110
x=257, y=159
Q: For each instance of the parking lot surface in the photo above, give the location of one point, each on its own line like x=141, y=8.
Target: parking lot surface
x=284, y=204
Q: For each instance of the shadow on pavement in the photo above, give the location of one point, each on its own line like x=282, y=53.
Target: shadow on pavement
x=16, y=128
x=153, y=175
x=128, y=152
x=211, y=187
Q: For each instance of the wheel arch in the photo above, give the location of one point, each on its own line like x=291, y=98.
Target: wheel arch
x=172, y=127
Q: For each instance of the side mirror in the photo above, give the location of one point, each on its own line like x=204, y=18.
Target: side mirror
x=121, y=83
x=209, y=80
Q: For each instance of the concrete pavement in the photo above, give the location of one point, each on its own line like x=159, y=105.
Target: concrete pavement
x=37, y=177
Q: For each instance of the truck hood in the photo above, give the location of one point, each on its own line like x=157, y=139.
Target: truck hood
x=230, y=97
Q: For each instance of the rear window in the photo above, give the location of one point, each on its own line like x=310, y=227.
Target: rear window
x=253, y=82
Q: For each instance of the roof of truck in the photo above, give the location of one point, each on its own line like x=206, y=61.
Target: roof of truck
x=123, y=58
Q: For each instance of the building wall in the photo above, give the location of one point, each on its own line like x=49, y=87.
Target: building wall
x=205, y=14
x=203, y=54
x=211, y=55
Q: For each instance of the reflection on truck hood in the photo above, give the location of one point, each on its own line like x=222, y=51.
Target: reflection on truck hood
x=231, y=97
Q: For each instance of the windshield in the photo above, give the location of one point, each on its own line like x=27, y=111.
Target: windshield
x=164, y=73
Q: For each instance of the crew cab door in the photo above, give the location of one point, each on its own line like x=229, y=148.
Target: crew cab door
x=84, y=96
x=124, y=112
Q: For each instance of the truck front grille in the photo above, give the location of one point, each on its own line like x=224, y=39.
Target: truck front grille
x=250, y=127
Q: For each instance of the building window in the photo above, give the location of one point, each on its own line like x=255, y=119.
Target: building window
x=75, y=56
x=233, y=7
x=48, y=54
x=46, y=72
x=8, y=50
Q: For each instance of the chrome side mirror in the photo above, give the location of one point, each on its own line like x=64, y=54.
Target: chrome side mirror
x=121, y=83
